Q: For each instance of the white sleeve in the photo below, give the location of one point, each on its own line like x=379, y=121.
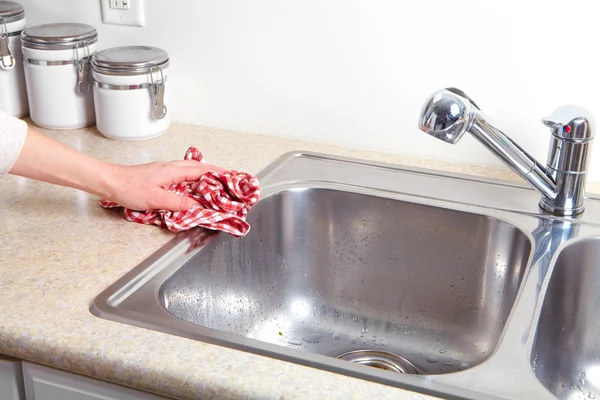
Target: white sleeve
x=12, y=138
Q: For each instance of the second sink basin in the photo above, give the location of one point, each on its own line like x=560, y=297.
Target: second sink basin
x=566, y=352
x=331, y=272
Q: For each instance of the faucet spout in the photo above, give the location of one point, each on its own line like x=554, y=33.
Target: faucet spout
x=514, y=156
x=449, y=113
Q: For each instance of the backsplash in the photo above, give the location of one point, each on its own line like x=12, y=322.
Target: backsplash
x=356, y=73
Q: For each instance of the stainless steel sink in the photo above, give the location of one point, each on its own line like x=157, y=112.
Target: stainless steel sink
x=419, y=279
x=566, y=355
x=329, y=271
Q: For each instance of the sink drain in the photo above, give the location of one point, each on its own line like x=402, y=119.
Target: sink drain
x=380, y=359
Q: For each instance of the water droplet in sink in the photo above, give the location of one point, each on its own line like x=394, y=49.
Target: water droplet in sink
x=336, y=336
x=312, y=338
x=442, y=351
x=295, y=342
x=432, y=359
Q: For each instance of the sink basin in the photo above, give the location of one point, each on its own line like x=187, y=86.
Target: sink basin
x=424, y=280
x=330, y=272
x=566, y=353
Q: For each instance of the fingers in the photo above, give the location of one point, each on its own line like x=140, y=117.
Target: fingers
x=180, y=174
x=185, y=203
x=210, y=167
x=186, y=163
x=174, y=202
x=196, y=164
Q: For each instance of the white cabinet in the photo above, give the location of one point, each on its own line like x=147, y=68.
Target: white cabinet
x=11, y=379
x=44, y=383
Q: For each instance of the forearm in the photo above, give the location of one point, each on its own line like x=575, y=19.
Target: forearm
x=26, y=152
x=48, y=160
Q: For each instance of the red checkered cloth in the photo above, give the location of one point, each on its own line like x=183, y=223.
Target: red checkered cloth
x=225, y=198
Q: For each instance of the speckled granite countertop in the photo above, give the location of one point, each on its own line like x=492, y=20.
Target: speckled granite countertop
x=60, y=249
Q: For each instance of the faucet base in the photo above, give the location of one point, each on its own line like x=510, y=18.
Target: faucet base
x=448, y=114
x=559, y=211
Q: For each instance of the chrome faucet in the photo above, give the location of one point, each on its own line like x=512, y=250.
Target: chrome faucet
x=449, y=113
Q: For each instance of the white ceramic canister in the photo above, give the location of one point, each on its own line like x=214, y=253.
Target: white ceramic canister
x=130, y=92
x=57, y=62
x=13, y=94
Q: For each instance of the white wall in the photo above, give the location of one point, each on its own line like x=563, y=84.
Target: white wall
x=356, y=72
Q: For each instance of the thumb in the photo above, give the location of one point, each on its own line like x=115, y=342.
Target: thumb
x=175, y=202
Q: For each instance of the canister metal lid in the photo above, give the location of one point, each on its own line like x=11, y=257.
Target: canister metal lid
x=11, y=11
x=60, y=36
x=129, y=60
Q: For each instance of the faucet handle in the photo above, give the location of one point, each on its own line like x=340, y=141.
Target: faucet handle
x=571, y=123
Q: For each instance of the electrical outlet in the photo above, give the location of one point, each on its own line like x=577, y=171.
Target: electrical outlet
x=123, y=12
x=119, y=4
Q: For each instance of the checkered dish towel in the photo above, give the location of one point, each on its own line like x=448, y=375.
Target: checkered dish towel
x=226, y=199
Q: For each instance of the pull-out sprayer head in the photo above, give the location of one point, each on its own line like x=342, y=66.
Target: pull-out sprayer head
x=447, y=115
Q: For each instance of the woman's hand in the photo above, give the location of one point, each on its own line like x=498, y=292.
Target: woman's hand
x=137, y=187
x=144, y=187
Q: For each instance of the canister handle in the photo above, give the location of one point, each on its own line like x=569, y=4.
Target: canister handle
x=7, y=61
x=83, y=68
x=157, y=90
